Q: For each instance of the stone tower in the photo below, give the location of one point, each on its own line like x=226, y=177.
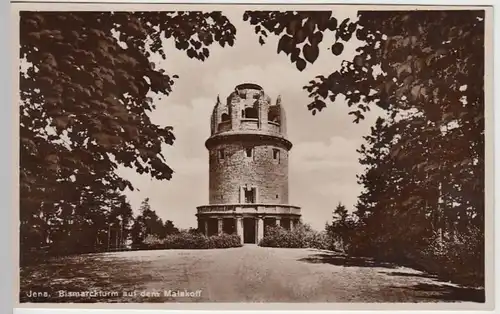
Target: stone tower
x=248, y=161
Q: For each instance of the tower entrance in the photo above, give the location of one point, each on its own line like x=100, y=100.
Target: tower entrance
x=248, y=230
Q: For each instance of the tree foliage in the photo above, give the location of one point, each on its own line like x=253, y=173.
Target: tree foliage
x=304, y=28
x=85, y=99
x=149, y=224
x=424, y=178
x=342, y=227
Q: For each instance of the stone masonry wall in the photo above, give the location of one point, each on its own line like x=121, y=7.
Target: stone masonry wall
x=269, y=175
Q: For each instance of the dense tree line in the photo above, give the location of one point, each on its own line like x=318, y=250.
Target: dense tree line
x=98, y=228
x=147, y=223
x=424, y=178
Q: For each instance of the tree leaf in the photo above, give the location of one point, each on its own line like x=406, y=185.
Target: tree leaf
x=337, y=48
x=311, y=53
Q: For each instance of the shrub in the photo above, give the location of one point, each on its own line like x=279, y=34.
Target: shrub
x=185, y=240
x=280, y=237
x=152, y=242
x=192, y=240
x=302, y=236
x=319, y=240
x=224, y=241
x=460, y=259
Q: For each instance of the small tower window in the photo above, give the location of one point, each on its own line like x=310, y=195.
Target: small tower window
x=250, y=113
x=249, y=152
x=221, y=154
x=276, y=195
x=276, y=154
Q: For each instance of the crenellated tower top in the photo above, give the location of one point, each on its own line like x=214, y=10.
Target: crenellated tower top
x=248, y=109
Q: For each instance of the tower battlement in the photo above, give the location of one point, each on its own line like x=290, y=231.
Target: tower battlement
x=249, y=108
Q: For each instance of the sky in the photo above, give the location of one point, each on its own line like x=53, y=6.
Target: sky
x=323, y=161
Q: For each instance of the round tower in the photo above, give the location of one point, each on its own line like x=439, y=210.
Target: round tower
x=248, y=162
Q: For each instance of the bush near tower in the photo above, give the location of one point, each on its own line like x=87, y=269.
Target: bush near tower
x=192, y=240
x=302, y=236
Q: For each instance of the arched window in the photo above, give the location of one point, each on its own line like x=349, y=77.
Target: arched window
x=224, y=117
x=251, y=113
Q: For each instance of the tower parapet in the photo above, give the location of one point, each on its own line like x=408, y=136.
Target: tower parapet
x=248, y=108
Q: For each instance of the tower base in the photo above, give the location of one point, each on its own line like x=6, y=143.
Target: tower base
x=249, y=221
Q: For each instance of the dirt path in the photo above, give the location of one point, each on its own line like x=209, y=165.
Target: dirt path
x=247, y=274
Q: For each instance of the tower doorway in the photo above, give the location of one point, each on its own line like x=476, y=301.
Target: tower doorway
x=212, y=227
x=249, y=230
x=229, y=226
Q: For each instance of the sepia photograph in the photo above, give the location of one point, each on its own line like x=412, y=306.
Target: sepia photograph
x=276, y=154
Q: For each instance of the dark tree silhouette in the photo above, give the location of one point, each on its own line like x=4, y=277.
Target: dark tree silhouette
x=342, y=226
x=170, y=228
x=89, y=78
x=425, y=161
